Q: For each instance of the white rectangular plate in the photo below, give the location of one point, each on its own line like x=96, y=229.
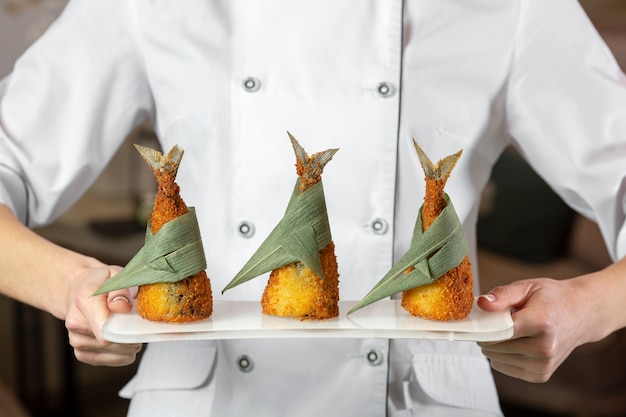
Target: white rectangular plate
x=244, y=320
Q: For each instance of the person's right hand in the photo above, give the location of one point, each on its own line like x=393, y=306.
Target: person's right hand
x=61, y=281
x=86, y=315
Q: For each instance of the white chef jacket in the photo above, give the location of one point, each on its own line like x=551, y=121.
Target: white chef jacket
x=226, y=80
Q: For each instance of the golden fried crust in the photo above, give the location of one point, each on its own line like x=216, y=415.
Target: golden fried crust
x=434, y=201
x=168, y=205
x=451, y=296
x=448, y=298
x=176, y=302
x=296, y=291
x=173, y=302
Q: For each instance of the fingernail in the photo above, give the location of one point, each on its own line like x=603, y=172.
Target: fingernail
x=120, y=297
x=489, y=297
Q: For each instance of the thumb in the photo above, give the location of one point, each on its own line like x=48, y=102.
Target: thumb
x=120, y=301
x=511, y=296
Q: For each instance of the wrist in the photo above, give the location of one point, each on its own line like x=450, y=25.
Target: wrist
x=604, y=292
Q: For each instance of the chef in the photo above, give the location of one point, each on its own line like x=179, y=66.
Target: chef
x=225, y=80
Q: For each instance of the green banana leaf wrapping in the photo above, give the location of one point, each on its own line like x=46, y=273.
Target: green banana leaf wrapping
x=171, y=255
x=432, y=253
x=299, y=236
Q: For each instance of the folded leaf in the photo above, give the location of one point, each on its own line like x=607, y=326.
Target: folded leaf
x=430, y=255
x=174, y=253
x=299, y=236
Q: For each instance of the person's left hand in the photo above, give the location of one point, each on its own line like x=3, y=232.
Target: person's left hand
x=551, y=318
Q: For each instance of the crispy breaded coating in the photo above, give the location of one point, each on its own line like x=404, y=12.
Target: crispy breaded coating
x=176, y=302
x=168, y=204
x=295, y=291
x=451, y=296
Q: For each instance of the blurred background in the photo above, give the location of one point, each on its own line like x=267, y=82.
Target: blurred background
x=39, y=376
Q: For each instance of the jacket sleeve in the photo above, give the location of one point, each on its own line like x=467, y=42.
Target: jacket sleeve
x=70, y=101
x=566, y=110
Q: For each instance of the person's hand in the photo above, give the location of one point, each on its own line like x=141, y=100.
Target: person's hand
x=86, y=314
x=551, y=319
x=61, y=281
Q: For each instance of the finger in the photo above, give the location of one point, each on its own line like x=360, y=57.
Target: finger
x=85, y=342
x=89, y=350
x=103, y=359
x=520, y=372
x=120, y=301
x=96, y=312
x=531, y=369
x=96, y=308
x=523, y=367
x=527, y=326
x=514, y=297
x=86, y=313
x=84, y=320
x=526, y=347
x=106, y=358
x=534, y=363
x=510, y=296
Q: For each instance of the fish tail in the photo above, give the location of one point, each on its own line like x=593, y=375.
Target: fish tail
x=310, y=168
x=441, y=169
x=168, y=203
x=436, y=177
x=160, y=162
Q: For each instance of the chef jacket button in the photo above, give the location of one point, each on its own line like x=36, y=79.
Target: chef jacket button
x=385, y=90
x=246, y=229
x=379, y=226
x=374, y=357
x=245, y=363
x=251, y=84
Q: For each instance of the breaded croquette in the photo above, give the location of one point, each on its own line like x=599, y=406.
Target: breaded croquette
x=174, y=302
x=451, y=296
x=294, y=290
